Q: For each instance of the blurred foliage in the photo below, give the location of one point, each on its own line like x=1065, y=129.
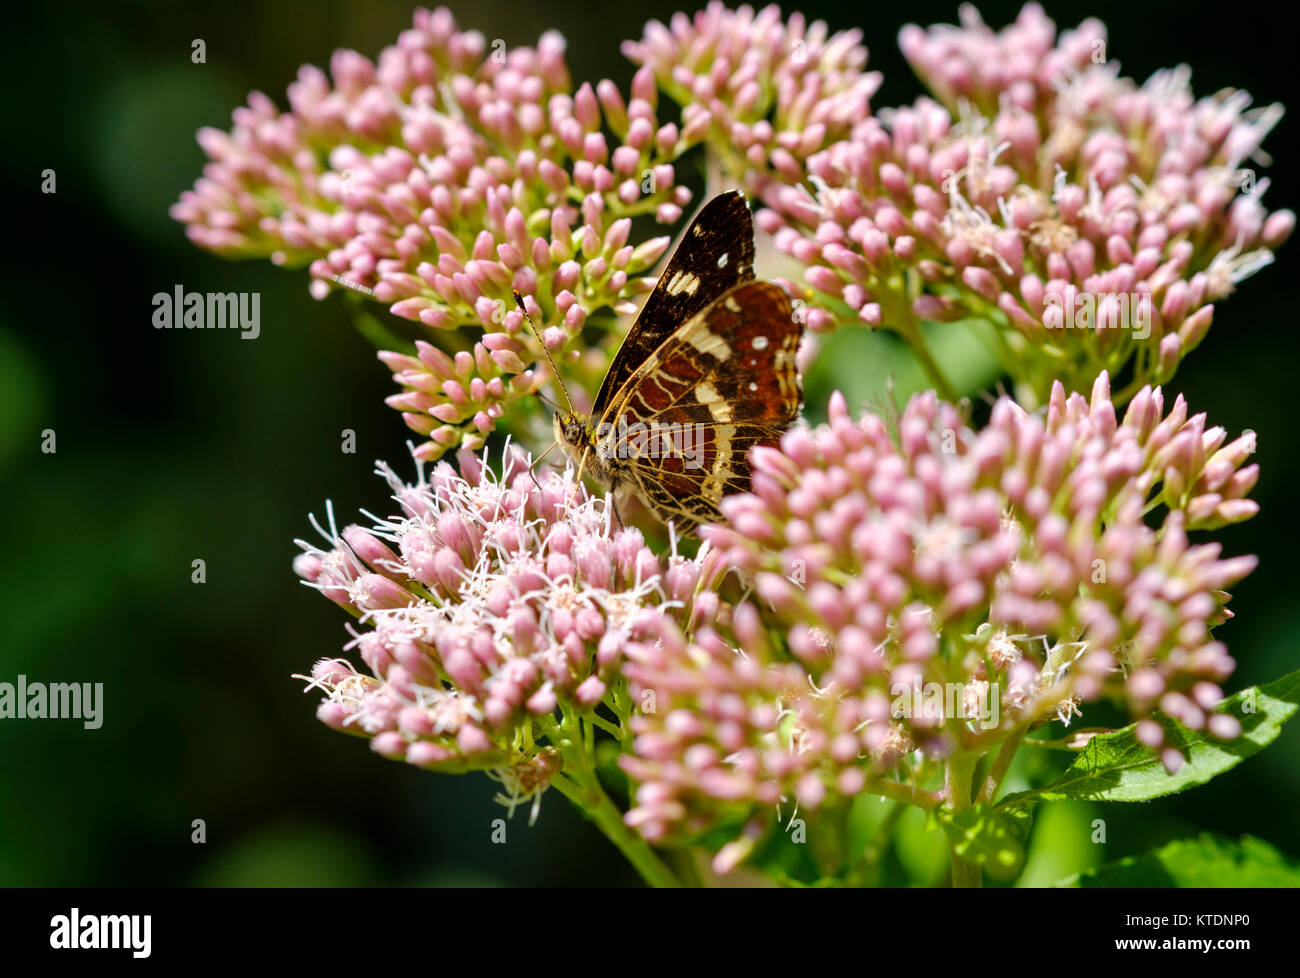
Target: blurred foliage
x=1206, y=861
x=176, y=445
x=1061, y=844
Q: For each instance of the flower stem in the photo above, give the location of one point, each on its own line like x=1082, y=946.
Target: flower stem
x=1001, y=763
x=579, y=783
x=961, y=770
x=899, y=316
x=921, y=350
x=897, y=791
x=585, y=792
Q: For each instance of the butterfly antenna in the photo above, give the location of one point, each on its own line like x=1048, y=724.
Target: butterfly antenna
x=519, y=300
x=547, y=401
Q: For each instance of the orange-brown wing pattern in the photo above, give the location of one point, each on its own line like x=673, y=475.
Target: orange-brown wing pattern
x=680, y=429
x=715, y=255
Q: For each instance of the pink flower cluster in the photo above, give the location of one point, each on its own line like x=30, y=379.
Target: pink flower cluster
x=487, y=605
x=1093, y=220
x=1033, y=566
x=768, y=92
x=735, y=725
x=439, y=179
x=918, y=594
x=1026, y=60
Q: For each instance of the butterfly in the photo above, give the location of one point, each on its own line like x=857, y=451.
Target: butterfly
x=706, y=373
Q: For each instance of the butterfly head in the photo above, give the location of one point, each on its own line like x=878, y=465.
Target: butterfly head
x=571, y=430
x=577, y=436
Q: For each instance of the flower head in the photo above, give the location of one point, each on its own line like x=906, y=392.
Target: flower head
x=438, y=180
x=939, y=588
x=1025, y=62
x=766, y=93
x=1091, y=219
x=486, y=605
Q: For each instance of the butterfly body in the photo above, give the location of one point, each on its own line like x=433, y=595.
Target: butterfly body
x=706, y=373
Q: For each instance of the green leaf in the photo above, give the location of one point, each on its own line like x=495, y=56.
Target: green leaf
x=1061, y=843
x=1116, y=767
x=993, y=840
x=921, y=852
x=1206, y=861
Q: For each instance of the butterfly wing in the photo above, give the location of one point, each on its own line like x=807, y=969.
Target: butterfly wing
x=725, y=381
x=687, y=497
x=715, y=255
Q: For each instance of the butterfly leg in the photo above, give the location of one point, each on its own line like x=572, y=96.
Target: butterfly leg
x=618, y=516
x=538, y=461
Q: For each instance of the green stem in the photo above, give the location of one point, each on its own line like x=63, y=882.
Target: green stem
x=584, y=790
x=579, y=783
x=1001, y=764
x=617, y=732
x=921, y=350
x=961, y=769
x=897, y=791
x=900, y=318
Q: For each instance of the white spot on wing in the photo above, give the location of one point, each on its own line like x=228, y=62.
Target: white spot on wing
x=760, y=342
x=722, y=261
x=683, y=282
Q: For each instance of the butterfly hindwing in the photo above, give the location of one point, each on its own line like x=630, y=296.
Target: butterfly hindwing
x=688, y=491
x=725, y=381
x=715, y=255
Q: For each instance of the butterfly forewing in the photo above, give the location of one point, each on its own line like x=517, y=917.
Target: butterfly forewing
x=715, y=255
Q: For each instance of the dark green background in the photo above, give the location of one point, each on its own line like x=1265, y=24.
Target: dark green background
x=177, y=445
